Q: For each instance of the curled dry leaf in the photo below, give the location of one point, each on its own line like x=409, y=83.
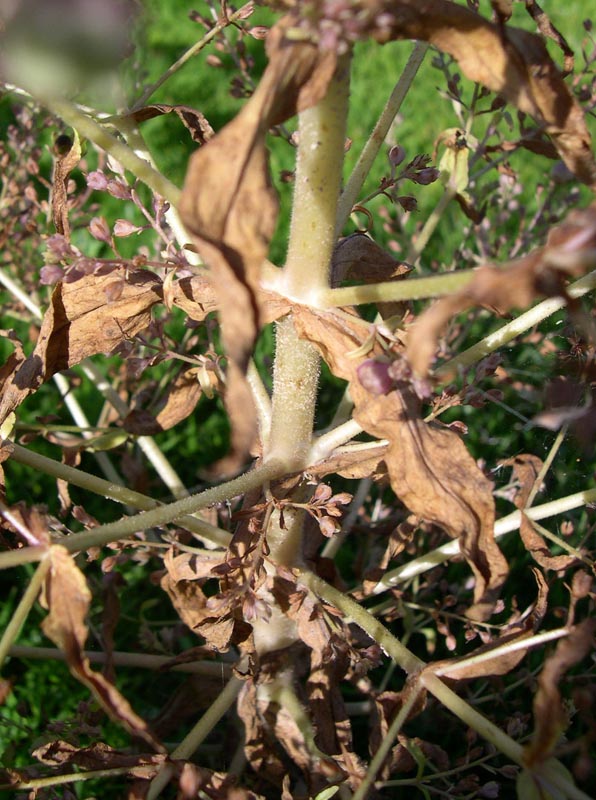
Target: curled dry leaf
x=538, y=548
x=507, y=60
x=429, y=467
x=569, y=251
x=65, y=160
x=80, y=322
x=550, y=718
x=193, y=120
x=67, y=598
x=95, y=756
x=230, y=207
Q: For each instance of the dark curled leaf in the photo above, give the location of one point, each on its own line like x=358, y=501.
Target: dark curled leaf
x=193, y=120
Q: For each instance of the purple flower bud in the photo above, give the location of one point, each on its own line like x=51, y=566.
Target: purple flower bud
x=258, y=32
x=123, y=227
x=396, y=155
x=50, y=275
x=426, y=176
x=374, y=376
x=119, y=190
x=408, y=203
x=98, y=228
x=97, y=180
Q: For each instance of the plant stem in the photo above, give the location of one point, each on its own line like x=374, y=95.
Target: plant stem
x=502, y=526
x=412, y=289
x=375, y=141
x=196, y=736
x=192, y=51
x=96, y=133
x=120, y=494
x=120, y=659
x=417, y=246
x=512, y=329
x=317, y=184
x=22, y=610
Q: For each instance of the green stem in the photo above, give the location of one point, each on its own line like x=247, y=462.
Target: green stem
x=214, y=669
x=317, y=184
x=412, y=289
x=375, y=141
x=90, y=129
x=76, y=777
x=423, y=238
x=197, y=735
x=191, y=52
x=502, y=526
x=121, y=494
x=22, y=610
x=515, y=328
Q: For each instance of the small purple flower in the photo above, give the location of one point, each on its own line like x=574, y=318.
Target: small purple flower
x=396, y=155
x=374, y=376
x=122, y=227
x=98, y=228
x=119, y=189
x=426, y=176
x=97, y=180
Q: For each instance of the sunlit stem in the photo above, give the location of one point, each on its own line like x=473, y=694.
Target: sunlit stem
x=312, y=238
x=116, y=492
x=90, y=129
x=504, y=525
x=375, y=141
x=317, y=185
x=506, y=333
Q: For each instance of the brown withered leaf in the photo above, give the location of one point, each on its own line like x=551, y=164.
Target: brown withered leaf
x=357, y=257
x=230, y=207
x=538, y=548
x=353, y=464
x=195, y=296
x=568, y=252
x=525, y=469
x=193, y=120
x=429, y=467
x=436, y=478
x=94, y=756
x=65, y=160
x=80, y=322
x=506, y=60
x=67, y=598
x=550, y=718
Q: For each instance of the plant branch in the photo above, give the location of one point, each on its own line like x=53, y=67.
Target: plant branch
x=120, y=659
x=197, y=735
x=504, y=525
x=22, y=610
x=121, y=494
x=375, y=141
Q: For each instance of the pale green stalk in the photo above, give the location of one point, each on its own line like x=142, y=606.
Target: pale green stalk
x=516, y=327
x=375, y=141
x=22, y=610
x=90, y=129
x=197, y=735
x=559, y=439
x=77, y=777
x=411, y=289
x=121, y=494
x=429, y=227
x=504, y=525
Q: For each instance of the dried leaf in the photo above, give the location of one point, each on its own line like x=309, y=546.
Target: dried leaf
x=550, y=717
x=568, y=252
x=67, y=598
x=193, y=120
x=66, y=159
x=538, y=548
x=230, y=207
x=195, y=296
x=80, y=322
x=525, y=468
x=94, y=756
x=506, y=60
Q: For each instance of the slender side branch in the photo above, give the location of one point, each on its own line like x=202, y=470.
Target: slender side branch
x=22, y=610
x=375, y=141
x=121, y=494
